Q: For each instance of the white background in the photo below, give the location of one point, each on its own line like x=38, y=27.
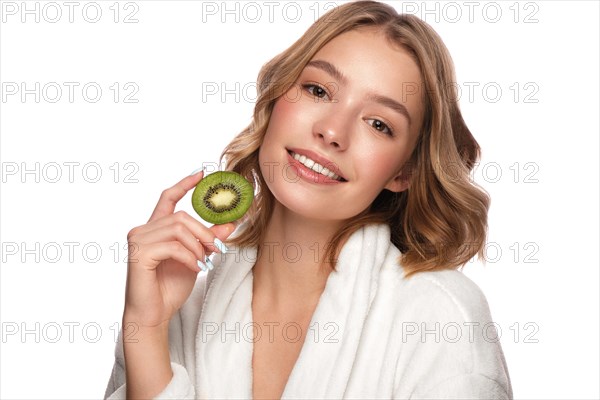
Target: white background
x=543, y=220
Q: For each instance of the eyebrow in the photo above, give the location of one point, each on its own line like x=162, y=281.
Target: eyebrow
x=390, y=103
x=329, y=68
x=383, y=100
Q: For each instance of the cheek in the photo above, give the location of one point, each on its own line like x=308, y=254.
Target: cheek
x=296, y=111
x=382, y=162
x=285, y=113
x=275, y=130
x=271, y=157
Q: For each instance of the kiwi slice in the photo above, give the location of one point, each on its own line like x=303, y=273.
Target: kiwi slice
x=222, y=197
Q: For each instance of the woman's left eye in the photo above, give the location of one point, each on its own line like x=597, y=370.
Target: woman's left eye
x=380, y=126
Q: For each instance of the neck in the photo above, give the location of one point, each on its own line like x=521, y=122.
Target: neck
x=289, y=273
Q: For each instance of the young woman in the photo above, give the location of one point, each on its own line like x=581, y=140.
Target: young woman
x=340, y=282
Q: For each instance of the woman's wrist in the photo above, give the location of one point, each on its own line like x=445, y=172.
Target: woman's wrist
x=147, y=359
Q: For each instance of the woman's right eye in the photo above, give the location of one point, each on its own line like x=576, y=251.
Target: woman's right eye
x=315, y=90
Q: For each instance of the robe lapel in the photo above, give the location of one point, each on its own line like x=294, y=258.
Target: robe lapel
x=224, y=337
x=325, y=362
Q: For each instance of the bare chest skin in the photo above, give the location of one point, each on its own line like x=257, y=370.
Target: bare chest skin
x=276, y=351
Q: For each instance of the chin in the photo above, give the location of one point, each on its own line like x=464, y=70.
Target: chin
x=297, y=203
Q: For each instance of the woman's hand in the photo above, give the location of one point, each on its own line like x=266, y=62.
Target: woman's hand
x=163, y=258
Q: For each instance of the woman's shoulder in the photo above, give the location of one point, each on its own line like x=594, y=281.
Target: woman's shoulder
x=448, y=293
x=445, y=293
x=450, y=283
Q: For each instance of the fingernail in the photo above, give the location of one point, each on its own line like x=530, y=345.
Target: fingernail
x=220, y=245
x=202, y=266
x=194, y=172
x=209, y=264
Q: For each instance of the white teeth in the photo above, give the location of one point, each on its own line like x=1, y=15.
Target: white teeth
x=311, y=164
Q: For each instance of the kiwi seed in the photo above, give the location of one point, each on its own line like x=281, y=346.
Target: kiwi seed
x=222, y=197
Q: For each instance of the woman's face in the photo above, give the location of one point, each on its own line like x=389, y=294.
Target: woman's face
x=355, y=109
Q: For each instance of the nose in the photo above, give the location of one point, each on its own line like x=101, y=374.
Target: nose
x=332, y=129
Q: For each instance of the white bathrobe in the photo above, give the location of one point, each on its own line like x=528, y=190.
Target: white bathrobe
x=373, y=334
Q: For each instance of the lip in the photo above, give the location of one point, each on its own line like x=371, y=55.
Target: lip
x=308, y=174
x=330, y=165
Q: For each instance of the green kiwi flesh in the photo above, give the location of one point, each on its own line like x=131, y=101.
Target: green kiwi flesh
x=222, y=197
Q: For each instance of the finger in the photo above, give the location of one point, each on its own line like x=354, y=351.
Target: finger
x=203, y=234
x=169, y=198
x=177, y=231
x=175, y=250
x=223, y=231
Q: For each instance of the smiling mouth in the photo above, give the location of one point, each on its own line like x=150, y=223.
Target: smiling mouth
x=315, y=166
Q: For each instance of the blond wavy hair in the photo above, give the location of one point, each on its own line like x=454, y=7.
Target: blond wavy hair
x=440, y=221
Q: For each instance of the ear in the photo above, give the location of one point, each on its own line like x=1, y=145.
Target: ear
x=399, y=182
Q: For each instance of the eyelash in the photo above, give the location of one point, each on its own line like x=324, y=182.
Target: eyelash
x=308, y=86
x=390, y=131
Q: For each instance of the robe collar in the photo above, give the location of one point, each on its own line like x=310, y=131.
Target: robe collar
x=224, y=340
